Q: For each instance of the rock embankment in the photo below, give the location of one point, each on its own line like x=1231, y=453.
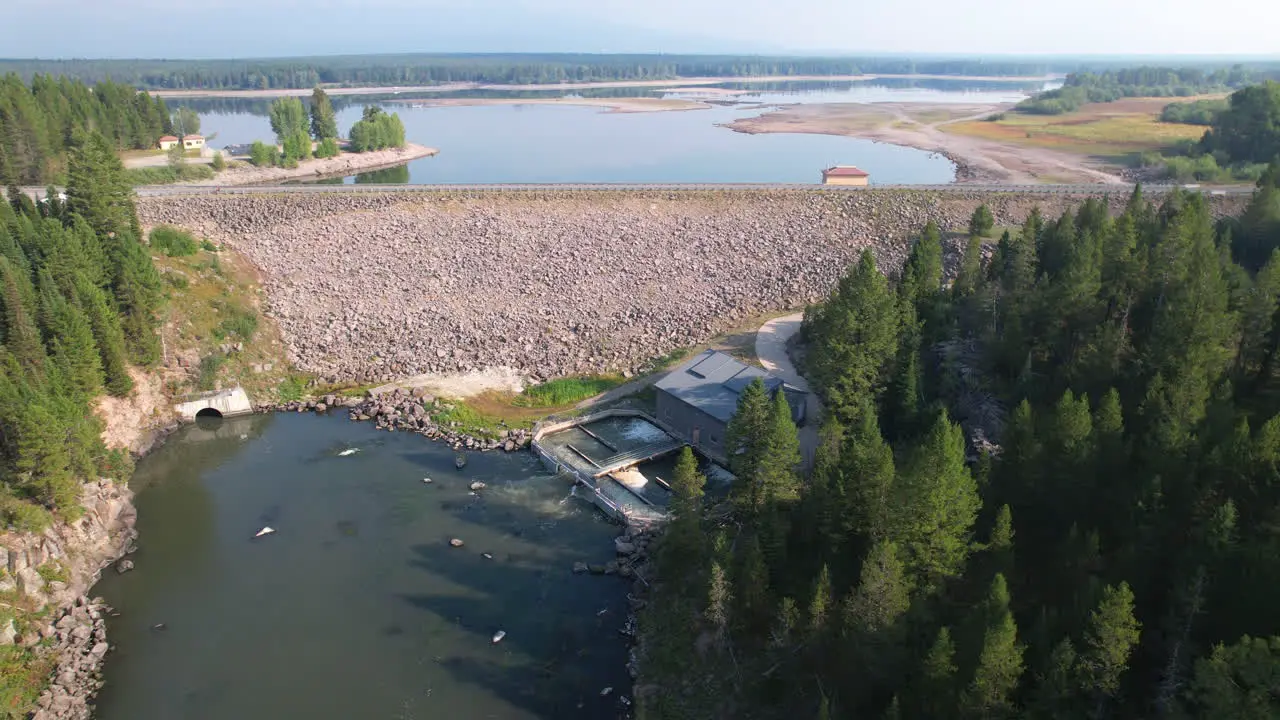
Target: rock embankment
x=375, y=286
x=411, y=411
x=56, y=568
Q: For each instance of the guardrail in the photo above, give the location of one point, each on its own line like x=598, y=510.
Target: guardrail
x=1042, y=189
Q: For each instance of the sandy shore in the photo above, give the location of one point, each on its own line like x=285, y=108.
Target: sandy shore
x=921, y=125
x=672, y=83
x=617, y=105
x=344, y=164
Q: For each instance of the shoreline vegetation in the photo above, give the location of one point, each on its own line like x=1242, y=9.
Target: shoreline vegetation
x=318, y=168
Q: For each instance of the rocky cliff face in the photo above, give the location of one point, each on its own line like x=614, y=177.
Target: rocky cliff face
x=55, y=569
x=377, y=286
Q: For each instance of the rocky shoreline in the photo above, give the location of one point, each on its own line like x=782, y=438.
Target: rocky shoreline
x=372, y=287
x=57, y=568
x=409, y=411
x=632, y=548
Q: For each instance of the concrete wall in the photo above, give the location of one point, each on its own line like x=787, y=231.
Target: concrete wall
x=226, y=403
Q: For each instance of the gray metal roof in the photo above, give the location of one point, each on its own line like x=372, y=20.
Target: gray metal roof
x=712, y=380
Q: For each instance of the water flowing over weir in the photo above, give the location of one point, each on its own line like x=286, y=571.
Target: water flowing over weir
x=357, y=606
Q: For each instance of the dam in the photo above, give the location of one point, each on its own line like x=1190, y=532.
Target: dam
x=370, y=286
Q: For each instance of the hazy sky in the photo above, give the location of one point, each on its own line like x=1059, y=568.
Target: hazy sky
x=239, y=28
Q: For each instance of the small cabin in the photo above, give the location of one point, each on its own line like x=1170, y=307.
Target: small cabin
x=167, y=142
x=192, y=142
x=845, y=175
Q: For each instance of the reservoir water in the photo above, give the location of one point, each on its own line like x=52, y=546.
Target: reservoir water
x=357, y=606
x=568, y=144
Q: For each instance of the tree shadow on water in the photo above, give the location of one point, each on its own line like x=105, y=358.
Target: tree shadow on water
x=560, y=649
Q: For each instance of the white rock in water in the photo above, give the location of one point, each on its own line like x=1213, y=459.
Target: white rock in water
x=456, y=542
x=477, y=485
x=497, y=637
x=265, y=531
x=349, y=451
x=487, y=556
x=426, y=480
x=606, y=691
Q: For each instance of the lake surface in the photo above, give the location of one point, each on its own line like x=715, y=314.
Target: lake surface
x=570, y=144
x=357, y=607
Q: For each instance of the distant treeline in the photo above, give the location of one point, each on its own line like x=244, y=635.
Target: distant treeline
x=419, y=69
x=36, y=122
x=1088, y=87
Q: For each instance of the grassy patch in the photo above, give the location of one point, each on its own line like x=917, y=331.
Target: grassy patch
x=53, y=571
x=23, y=676
x=172, y=242
x=472, y=421
x=1099, y=129
x=564, y=391
x=238, y=322
x=209, y=367
x=213, y=300
x=166, y=175
x=292, y=388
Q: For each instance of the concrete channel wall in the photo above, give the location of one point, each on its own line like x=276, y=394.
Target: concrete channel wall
x=553, y=464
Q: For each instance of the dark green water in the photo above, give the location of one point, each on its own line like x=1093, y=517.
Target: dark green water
x=357, y=607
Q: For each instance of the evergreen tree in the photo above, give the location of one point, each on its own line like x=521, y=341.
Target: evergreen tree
x=990, y=694
x=938, y=500
x=981, y=222
x=324, y=122
x=108, y=336
x=970, y=276
x=856, y=332
x=752, y=606
x=1056, y=695
x=21, y=336
x=820, y=603
x=683, y=543
x=935, y=691
x=867, y=465
x=1238, y=682
x=1111, y=635
x=97, y=189
x=781, y=453
x=745, y=443
x=1000, y=546
x=873, y=621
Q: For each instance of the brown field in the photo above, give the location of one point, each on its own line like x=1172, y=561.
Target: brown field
x=1104, y=130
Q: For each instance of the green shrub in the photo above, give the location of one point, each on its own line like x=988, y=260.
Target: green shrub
x=264, y=155
x=563, y=391
x=23, y=676
x=209, y=366
x=237, y=322
x=117, y=465
x=167, y=175
x=219, y=163
x=292, y=388
x=177, y=280
x=53, y=571
x=208, y=246
x=327, y=148
x=173, y=242
x=24, y=516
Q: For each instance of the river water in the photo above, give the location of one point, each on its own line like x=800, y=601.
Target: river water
x=357, y=607
x=569, y=144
